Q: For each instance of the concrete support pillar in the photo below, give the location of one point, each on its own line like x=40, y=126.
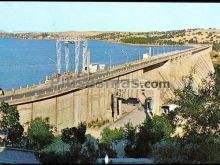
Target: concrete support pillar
x=76, y=109
x=119, y=108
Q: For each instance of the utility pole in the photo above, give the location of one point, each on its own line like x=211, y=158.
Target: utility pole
x=126, y=56
x=138, y=54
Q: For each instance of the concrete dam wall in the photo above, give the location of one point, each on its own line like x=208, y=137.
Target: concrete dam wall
x=93, y=102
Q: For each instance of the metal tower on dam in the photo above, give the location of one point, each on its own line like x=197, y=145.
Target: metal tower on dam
x=78, y=42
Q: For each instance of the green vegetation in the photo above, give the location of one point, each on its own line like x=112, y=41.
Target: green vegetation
x=82, y=148
x=57, y=146
x=160, y=40
x=217, y=71
x=74, y=135
x=44, y=35
x=216, y=46
x=106, y=148
x=9, y=123
x=199, y=116
x=150, y=132
x=97, y=123
x=193, y=41
x=108, y=135
x=39, y=133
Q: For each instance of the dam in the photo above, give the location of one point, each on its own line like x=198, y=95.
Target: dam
x=67, y=100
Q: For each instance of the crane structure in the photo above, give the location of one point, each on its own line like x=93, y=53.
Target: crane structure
x=85, y=51
x=66, y=46
x=85, y=54
x=77, y=51
x=58, y=48
x=87, y=60
x=150, y=52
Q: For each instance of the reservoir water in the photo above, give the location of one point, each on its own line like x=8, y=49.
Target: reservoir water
x=26, y=62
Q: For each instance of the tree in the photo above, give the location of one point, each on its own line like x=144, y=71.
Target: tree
x=3, y=122
x=10, y=124
x=198, y=114
x=131, y=137
x=130, y=133
x=44, y=35
x=111, y=135
x=216, y=47
x=199, y=109
x=195, y=150
x=106, y=148
x=39, y=133
x=89, y=150
x=74, y=134
x=150, y=132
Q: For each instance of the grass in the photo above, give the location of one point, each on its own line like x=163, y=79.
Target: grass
x=58, y=146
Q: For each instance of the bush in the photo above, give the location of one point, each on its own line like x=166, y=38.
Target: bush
x=216, y=47
x=81, y=148
x=105, y=148
x=89, y=151
x=39, y=133
x=74, y=135
x=199, y=109
x=198, y=150
x=108, y=135
x=150, y=132
x=166, y=151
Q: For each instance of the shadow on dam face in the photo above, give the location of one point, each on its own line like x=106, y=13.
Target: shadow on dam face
x=147, y=69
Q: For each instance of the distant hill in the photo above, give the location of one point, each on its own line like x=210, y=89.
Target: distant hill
x=185, y=36
x=47, y=35
x=172, y=37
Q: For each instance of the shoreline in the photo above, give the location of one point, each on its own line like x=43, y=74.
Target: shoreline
x=116, y=42
x=135, y=44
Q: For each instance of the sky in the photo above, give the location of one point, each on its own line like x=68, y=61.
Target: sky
x=106, y=16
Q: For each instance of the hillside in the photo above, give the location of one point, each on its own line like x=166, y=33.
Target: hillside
x=47, y=35
x=174, y=37
x=185, y=36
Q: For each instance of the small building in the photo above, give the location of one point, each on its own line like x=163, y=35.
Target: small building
x=101, y=66
x=93, y=68
x=146, y=56
x=168, y=108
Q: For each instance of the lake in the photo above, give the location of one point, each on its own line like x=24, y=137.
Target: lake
x=26, y=62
